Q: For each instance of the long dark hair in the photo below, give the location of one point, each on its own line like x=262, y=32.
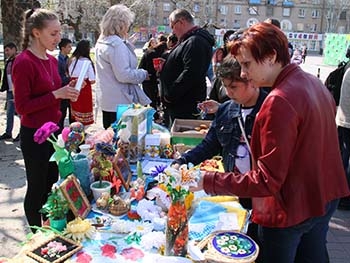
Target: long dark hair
x=82, y=50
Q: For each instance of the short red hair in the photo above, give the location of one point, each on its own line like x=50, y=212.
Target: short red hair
x=262, y=40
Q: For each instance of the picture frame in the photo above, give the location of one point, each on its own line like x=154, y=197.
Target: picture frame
x=78, y=202
x=39, y=252
x=122, y=168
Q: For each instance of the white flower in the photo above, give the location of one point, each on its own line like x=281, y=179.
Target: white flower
x=153, y=240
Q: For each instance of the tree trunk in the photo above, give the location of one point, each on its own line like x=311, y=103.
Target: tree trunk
x=12, y=18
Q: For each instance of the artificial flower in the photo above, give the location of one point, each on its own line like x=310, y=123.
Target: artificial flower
x=155, y=239
x=44, y=132
x=177, y=182
x=132, y=253
x=109, y=251
x=83, y=257
x=79, y=229
x=53, y=250
x=101, y=165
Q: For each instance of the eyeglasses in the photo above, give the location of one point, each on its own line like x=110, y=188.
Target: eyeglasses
x=174, y=23
x=236, y=35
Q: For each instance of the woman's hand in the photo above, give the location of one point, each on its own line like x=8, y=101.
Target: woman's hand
x=67, y=92
x=199, y=179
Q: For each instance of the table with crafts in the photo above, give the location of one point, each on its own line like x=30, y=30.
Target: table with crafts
x=131, y=222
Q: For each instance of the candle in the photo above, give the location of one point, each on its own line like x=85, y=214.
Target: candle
x=82, y=74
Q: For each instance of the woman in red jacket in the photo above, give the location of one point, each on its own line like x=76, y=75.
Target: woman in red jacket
x=297, y=176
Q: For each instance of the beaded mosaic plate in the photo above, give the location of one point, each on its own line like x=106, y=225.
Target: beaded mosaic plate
x=234, y=245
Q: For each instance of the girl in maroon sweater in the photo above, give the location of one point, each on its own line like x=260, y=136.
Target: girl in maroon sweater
x=37, y=90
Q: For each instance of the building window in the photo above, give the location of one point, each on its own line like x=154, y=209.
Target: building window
x=286, y=12
x=269, y=11
x=300, y=27
x=313, y=27
x=196, y=8
x=271, y=2
x=166, y=7
x=238, y=9
x=286, y=25
x=180, y=5
x=165, y=21
x=301, y=12
x=253, y=10
x=236, y=24
x=315, y=13
x=223, y=9
x=316, y=2
x=342, y=15
x=223, y=22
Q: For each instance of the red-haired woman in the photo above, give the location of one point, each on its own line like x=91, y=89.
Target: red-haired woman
x=297, y=176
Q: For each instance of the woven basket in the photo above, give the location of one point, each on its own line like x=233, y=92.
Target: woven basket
x=214, y=256
x=119, y=207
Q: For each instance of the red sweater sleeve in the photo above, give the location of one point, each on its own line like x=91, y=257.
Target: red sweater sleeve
x=34, y=80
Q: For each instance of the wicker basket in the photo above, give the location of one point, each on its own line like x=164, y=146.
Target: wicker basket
x=118, y=207
x=212, y=255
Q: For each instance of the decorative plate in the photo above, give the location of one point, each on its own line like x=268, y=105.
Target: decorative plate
x=233, y=244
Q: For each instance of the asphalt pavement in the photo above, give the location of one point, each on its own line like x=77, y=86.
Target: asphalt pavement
x=13, y=225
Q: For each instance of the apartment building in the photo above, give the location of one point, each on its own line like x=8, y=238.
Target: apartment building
x=305, y=22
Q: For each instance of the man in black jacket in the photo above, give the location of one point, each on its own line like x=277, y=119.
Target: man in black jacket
x=183, y=75
x=10, y=50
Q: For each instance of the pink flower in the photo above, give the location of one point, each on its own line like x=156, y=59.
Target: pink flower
x=83, y=257
x=109, y=251
x=132, y=253
x=45, y=131
x=65, y=133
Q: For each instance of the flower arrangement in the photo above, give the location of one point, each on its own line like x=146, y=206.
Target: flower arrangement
x=56, y=206
x=64, y=144
x=176, y=183
x=102, y=166
x=53, y=250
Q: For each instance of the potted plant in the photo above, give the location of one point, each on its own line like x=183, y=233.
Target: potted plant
x=102, y=169
x=56, y=209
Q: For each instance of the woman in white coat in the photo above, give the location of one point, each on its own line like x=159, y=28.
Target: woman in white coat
x=117, y=76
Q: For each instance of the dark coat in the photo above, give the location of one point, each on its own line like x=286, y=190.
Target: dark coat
x=183, y=74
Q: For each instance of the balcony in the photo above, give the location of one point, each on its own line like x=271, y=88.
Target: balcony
x=254, y=2
x=271, y=2
x=288, y=3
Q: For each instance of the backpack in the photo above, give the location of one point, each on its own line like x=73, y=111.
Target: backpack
x=334, y=80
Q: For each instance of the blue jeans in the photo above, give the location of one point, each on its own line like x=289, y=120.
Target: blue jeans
x=302, y=243
x=10, y=112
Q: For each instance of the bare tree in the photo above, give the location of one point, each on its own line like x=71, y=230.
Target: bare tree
x=12, y=18
x=333, y=10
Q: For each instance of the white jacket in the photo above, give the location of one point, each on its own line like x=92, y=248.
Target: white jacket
x=117, y=76
x=343, y=112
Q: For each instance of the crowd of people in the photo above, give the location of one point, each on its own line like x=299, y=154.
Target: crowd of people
x=264, y=127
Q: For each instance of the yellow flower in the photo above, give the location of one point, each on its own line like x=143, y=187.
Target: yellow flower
x=79, y=229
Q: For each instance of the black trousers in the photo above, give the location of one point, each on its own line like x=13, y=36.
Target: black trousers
x=41, y=174
x=108, y=118
x=65, y=105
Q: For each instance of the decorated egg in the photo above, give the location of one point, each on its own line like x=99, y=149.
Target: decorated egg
x=77, y=127
x=73, y=141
